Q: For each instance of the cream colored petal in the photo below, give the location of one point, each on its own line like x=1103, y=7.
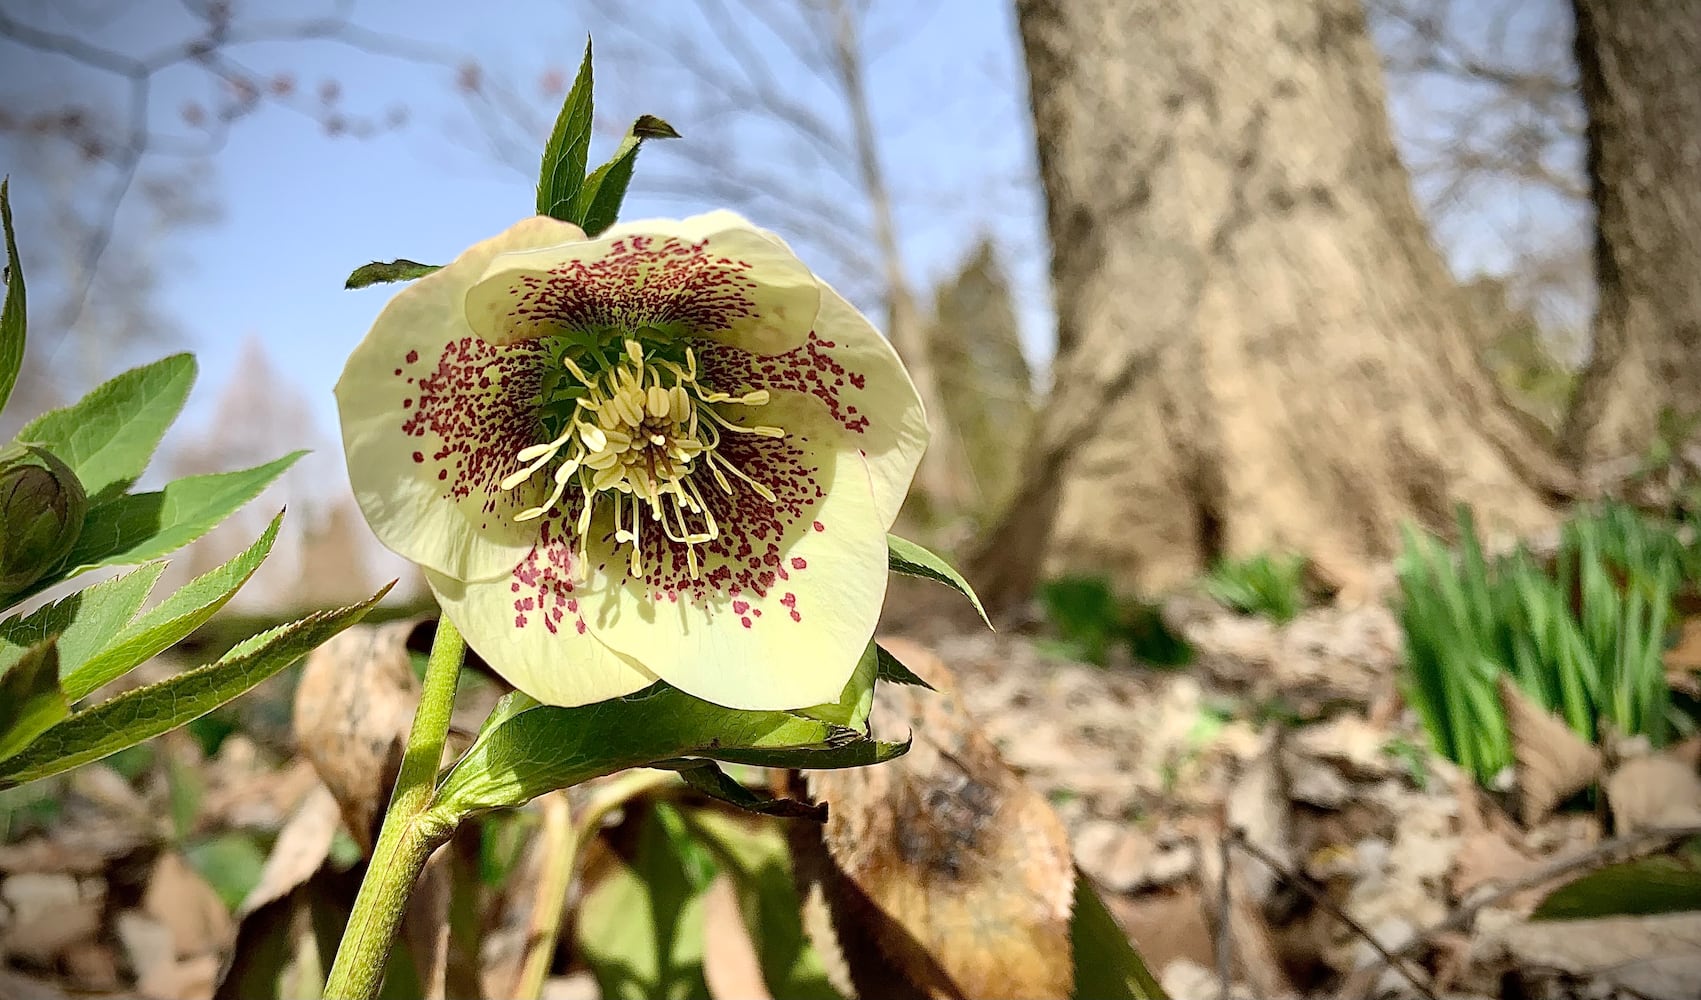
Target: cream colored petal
x=431, y=417
x=853, y=372
x=787, y=597
x=528, y=633
x=709, y=276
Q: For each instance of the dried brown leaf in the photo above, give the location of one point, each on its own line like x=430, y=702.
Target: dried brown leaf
x=944, y=874
x=179, y=898
x=1553, y=762
x=1654, y=791
x=301, y=848
x=352, y=712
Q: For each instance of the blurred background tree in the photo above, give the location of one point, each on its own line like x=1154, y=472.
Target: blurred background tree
x=1347, y=284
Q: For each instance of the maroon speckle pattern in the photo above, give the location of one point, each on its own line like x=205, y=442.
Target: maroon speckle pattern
x=737, y=570
x=808, y=369
x=543, y=581
x=641, y=281
x=476, y=408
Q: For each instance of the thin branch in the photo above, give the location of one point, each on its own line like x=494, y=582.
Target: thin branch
x=1320, y=896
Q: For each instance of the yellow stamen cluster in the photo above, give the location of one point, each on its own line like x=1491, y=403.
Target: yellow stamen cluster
x=637, y=435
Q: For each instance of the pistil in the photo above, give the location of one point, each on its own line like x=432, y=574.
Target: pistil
x=640, y=431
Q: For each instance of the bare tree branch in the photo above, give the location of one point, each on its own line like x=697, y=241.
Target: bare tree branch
x=207, y=45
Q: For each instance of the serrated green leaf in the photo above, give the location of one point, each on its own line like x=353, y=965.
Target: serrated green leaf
x=564, y=156
x=83, y=621
x=148, y=711
x=892, y=670
x=640, y=929
x=542, y=748
x=707, y=777
x=142, y=526
x=857, y=698
x=1666, y=884
x=1106, y=966
x=758, y=860
x=845, y=748
x=172, y=619
x=598, y=203
x=12, y=314
x=910, y=559
x=379, y=272
x=31, y=701
x=108, y=436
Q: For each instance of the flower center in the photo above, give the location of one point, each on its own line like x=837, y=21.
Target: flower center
x=638, y=432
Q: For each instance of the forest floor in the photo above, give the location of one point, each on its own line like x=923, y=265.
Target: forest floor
x=1283, y=748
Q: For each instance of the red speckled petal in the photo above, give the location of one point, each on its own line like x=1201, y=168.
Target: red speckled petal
x=714, y=276
x=431, y=418
x=852, y=370
x=789, y=594
x=558, y=661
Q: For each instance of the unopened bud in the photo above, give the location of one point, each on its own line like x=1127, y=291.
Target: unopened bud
x=41, y=514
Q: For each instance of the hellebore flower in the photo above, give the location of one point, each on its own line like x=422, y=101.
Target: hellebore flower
x=668, y=452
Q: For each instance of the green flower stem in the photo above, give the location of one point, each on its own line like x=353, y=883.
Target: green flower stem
x=408, y=836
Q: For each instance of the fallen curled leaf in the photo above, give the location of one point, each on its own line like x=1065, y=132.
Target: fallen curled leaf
x=1488, y=851
x=940, y=874
x=301, y=848
x=182, y=900
x=353, y=708
x=1553, y=762
x=1658, y=790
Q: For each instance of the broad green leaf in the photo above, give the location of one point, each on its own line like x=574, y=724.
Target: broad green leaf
x=147, y=712
x=545, y=747
x=910, y=559
x=851, y=710
x=12, y=318
x=892, y=670
x=640, y=929
x=170, y=620
x=756, y=856
x=597, y=204
x=379, y=272
x=1667, y=884
x=82, y=622
x=563, y=171
x=31, y=701
x=707, y=777
x=108, y=436
x=1107, y=967
x=142, y=526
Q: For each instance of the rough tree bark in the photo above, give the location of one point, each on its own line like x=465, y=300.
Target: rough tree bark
x=1640, y=69
x=1259, y=348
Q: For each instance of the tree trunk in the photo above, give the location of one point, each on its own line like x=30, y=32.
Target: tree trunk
x=1259, y=348
x=1640, y=67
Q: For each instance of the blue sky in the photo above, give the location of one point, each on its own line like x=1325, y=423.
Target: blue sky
x=301, y=209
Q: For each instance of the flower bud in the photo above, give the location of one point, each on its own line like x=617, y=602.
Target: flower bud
x=41, y=514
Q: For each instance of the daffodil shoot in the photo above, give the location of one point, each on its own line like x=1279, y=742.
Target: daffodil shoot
x=667, y=452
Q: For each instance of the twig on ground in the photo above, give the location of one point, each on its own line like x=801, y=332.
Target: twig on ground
x=1320, y=896
x=1225, y=937
x=1618, y=849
